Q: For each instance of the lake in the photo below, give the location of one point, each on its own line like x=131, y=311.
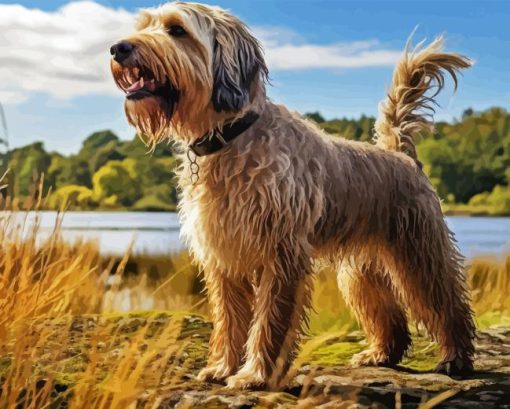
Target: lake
x=158, y=233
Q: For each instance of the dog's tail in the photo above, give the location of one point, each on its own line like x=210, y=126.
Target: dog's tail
x=409, y=106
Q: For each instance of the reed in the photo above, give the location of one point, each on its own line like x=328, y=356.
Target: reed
x=62, y=336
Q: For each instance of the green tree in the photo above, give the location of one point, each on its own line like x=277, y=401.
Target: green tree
x=97, y=140
x=27, y=164
x=113, y=184
x=104, y=154
x=68, y=171
x=99, y=148
x=440, y=165
x=73, y=197
x=135, y=148
x=315, y=116
x=156, y=178
x=158, y=197
x=467, y=160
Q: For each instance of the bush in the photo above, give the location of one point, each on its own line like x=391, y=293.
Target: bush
x=497, y=201
x=157, y=198
x=153, y=203
x=113, y=179
x=74, y=196
x=479, y=200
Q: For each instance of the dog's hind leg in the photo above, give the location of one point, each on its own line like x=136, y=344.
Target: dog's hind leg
x=383, y=319
x=283, y=294
x=231, y=300
x=429, y=275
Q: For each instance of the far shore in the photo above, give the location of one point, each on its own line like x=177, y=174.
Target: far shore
x=449, y=209
x=473, y=211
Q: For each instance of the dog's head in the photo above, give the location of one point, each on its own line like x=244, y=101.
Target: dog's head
x=188, y=68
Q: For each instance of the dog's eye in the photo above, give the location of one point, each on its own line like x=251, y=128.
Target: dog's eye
x=176, y=31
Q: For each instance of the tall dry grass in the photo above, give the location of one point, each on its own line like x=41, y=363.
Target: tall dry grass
x=44, y=287
x=55, y=300
x=488, y=279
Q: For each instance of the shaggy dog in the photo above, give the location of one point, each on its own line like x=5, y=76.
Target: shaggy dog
x=264, y=192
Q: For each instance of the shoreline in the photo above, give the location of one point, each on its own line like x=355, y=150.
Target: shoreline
x=454, y=210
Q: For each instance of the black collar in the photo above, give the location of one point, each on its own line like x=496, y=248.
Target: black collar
x=217, y=139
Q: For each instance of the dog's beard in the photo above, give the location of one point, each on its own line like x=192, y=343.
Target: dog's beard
x=151, y=116
x=151, y=100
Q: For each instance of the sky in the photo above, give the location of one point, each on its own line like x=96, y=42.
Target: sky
x=335, y=57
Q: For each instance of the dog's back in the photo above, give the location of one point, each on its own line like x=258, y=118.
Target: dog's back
x=367, y=185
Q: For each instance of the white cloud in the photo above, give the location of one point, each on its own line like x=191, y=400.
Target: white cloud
x=286, y=50
x=343, y=55
x=64, y=53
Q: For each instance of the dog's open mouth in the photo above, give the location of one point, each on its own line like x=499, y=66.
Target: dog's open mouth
x=139, y=83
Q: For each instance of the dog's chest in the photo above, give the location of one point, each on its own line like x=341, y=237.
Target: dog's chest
x=223, y=224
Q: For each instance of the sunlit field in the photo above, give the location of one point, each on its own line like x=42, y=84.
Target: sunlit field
x=80, y=330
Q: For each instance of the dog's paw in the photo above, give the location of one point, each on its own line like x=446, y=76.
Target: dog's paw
x=246, y=380
x=214, y=373
x=457, y=367
x=371, y=357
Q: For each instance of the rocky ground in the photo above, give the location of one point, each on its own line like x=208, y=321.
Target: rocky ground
x=324, y=378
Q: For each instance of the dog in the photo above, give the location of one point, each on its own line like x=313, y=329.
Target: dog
x=265, y=192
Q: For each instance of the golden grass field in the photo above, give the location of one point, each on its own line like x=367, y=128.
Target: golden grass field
x=51, y=292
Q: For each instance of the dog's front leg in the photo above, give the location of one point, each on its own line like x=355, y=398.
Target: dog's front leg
x=231, y=300
x=282, y=298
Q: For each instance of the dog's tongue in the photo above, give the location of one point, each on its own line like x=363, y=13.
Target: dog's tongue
x=138, y=85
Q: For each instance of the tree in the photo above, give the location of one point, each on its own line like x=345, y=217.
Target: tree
x=135, y=148
x=113, y=180
x=103, y=154
x=72, y=196
x=99, y=148
x=439, y=164
x=467, y=113
x=159, y=197
x=315, y=116
x=27, y=164
x=467, y=161
x=96, y=140
x=68, y=171
x=156, y=178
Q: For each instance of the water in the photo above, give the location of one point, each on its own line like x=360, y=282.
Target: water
x=481, y=235
x=158, y=233
x=148, y=232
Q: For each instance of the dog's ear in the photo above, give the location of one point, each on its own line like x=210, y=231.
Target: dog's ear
x=237, y=61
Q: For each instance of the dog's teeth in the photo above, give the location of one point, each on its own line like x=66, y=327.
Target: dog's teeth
x=136, y=86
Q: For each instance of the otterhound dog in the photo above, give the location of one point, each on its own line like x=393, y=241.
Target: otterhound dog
x=264, y=192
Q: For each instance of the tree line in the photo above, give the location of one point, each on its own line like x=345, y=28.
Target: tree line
x=107, y=173
x=468, y=161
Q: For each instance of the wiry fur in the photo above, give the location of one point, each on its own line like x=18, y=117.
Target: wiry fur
x=284, y=193
x=404, y=113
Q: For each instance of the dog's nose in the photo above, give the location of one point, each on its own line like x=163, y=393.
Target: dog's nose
x=121, y=50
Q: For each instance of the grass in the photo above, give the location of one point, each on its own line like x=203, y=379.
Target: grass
x=62, y=335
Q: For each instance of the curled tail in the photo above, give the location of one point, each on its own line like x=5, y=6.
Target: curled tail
x=408, y=109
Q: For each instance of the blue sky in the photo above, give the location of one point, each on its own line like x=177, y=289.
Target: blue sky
x=62, y=104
